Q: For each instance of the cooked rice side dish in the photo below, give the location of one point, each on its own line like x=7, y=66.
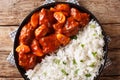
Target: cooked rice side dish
x=79, y=60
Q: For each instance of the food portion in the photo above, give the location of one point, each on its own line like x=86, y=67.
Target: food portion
x=47, y=31
x=49, y=43
x=80, y=59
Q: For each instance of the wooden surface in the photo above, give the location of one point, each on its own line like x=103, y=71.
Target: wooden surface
x=12, y=12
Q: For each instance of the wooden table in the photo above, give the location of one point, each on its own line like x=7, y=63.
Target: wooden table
x=12, y=12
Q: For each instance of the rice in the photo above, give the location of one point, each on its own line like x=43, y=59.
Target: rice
x=79, y=60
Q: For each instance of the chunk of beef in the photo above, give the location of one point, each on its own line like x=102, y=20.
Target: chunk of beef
x=49, y=43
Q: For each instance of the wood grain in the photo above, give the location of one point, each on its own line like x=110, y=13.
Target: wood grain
x=112, y=30
x=114, y=43
x=110, y=78
x=12, y=12
x=11, y=79
x=114, y=68
x=6, y=43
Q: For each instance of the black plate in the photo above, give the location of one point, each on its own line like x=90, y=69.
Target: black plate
x=16, y=41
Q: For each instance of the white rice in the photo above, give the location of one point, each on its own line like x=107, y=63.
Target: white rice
x=79, y=60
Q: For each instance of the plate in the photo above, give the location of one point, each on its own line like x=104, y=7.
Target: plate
x=47, y=6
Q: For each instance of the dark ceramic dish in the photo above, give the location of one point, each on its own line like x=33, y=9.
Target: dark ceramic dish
x=16, y=41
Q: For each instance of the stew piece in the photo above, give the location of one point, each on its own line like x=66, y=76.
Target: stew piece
x=46, y=31
x=58, y=26
x=26, y=34
x=46, y=17
x=36, y=48
x=63, y=7
x=41, y=31
x=71, y=27
x=23, y=49
x=83, y=18
x=63, y=39
x=60, y=17
x=27, y=60
x=49, y=43
x=35, y=19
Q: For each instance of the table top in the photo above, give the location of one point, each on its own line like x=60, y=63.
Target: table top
x=12, y=12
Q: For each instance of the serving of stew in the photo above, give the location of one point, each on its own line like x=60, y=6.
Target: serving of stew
x=46, y=31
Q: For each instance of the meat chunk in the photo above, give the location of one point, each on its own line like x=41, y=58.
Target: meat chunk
x=63, y=39
x=26, y=34
x=36, y=48
x=27, y=61
x=49, y=43
x=42, y=17
x=76, y=14
x=58, y=27
x=83, y=18
x=60, y=17
x=71, y=27
x=46, y=17
x=23, y=49
x=63, y=7
x=41, y=31
x=66, y=13
x=35, y=19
